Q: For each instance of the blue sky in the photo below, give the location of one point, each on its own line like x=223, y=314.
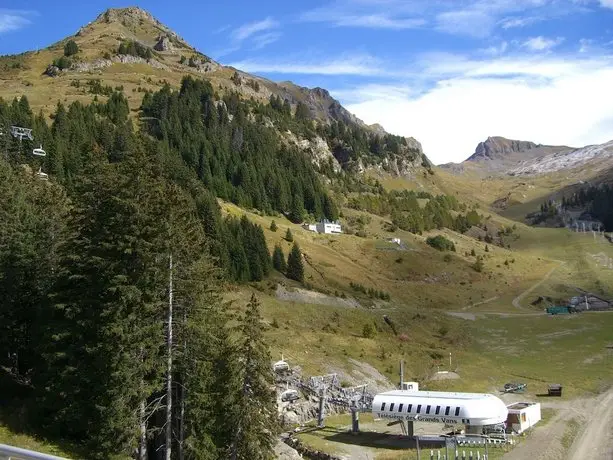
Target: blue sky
x=448, y=72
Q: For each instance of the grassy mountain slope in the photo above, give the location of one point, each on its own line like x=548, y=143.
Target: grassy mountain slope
x=321, y=327
x=419, y=279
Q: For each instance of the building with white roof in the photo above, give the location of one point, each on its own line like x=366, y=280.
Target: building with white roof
x=474, y=410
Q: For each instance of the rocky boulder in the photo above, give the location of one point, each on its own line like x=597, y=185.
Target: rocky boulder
x=52, y=71
x=163, y=44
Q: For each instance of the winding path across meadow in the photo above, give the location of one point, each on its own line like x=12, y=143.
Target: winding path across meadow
x=517, y=300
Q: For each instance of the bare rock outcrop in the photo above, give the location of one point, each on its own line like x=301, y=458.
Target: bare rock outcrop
x=163, y=44
x=318, y=149
x=499, y=147
x=52, y=71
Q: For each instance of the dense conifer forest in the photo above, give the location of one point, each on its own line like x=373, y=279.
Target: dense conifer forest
x=114, y=333
x=114, y=329
x=598, y=200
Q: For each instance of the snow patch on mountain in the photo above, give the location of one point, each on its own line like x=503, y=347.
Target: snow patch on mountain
x=564, y=160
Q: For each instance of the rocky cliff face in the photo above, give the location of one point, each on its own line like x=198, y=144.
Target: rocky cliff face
x=497, y=148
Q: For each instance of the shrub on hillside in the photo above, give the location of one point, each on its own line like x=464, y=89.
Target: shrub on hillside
x=134, y=48
x=441, y=243
x=368, y=332
x=71, y=48
x=62, y=63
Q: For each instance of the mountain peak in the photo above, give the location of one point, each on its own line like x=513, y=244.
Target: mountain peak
x=131, y=15
x=498, y=148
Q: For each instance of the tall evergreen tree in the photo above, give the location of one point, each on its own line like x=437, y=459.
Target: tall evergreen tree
x=295, y=269
x=278, y=259
x=255, y=424
x=33, y=216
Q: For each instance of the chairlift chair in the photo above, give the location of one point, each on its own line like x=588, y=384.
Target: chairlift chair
x=39, y=152
x=281, y=366
x=42, y=175
x=290, y=395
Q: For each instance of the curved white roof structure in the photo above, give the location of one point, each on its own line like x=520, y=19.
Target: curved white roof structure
x=473, y=409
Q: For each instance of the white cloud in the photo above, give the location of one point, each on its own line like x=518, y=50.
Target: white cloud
x=495, y=50
x=475, y=18
x=515, y=22
x=380, y=21
x=384, y=14
x=260, y=41
x=551, y=101
x=363, y=65
x=375, y=91
x=11, y=20
x=541, y=43
x=247, y=30
x=469, y=22
x=606, y=3
x=259, y=33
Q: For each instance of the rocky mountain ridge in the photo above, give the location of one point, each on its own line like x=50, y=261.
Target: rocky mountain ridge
x=163, y=57
x=500, y=155
x=497, y=147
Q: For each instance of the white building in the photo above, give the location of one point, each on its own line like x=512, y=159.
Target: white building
x=523, y=415
x=326, y=226
x=474, y=410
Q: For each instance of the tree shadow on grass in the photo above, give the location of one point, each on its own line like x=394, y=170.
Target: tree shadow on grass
x=17, y=406
x=373, y=439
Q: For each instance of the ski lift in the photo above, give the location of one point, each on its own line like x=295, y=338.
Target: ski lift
x=289, y=395
x=41, y=175
x=280, y=366
x=39, y=152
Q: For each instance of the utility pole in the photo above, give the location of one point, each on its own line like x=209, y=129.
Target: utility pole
x=401, y=372
x=322, y=402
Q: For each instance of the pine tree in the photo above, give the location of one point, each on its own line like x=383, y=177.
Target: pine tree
x=33, y=216
x=278, y=259
x=295, y=269
x=70, y=48
x=255, y=424
x=296, y=213
x=104, y=337
x=206, y=365
x=288, y=235
x=273, y=226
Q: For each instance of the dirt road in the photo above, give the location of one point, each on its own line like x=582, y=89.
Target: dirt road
x=517, y=300
x=594, y=440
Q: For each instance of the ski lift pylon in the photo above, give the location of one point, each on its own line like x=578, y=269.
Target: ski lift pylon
x=21, y=133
